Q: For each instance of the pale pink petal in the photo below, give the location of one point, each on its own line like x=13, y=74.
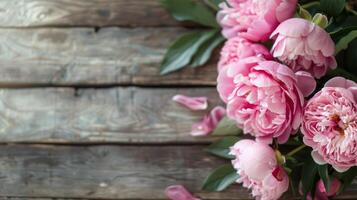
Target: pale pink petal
x=303, y=45
x=178, y=192
x=306, y=82
x=318, y=158
x=217, y=115
x=193, y=103
x=209, y=122
x=203, y=128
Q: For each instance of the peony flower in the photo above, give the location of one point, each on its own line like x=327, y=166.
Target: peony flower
x=193, y=103
x=209, y=122
x=252, y=19
x=178, y=192
x=303, y=45
x=262, y=97
x=237, y=48
x=258, y=170
x=330, y=124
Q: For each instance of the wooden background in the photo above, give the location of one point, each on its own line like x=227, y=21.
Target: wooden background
x=83, y=111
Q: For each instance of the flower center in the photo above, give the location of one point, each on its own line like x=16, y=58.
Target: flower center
x=340, y=126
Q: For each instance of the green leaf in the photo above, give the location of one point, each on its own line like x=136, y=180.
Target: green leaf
x=340, y=33
x=182, y=50
x=347, y=177
x=220, y=178
x=227, y=127
x=309, y=171
x=341, y=72
x=205, y=51
x=350, y=57
x=333, y=7
x=343, y=42
x=323, y=172
x=221, y=147
x=188, y=10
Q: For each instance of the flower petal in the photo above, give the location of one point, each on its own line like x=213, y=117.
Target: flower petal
x=178, y=192
x=193, y=103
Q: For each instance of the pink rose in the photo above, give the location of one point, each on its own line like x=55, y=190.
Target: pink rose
x=252, y=19
x=258, y=169
x=237, y=48
x=330, y=124
x=262, y=97
x=303, y=45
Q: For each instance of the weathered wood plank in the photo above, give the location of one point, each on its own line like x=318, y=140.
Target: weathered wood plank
x=124, y=115
x=34, y=13
x=82, y=56
x=108, y=172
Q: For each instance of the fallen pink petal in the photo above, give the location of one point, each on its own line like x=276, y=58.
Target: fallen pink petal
x=179, y=192
x=193, y=103
x=209, y=122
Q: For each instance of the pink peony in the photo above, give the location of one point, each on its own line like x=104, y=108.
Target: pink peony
x=262, y=97
x=330, y=124
x=209, y=122
x=252, y=19
x=303, y=45
x=237, y=48
x=258, y=169
x=193, y=103
x=178, y=192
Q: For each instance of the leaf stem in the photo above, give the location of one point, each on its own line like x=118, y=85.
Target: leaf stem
x=308, y=5
x=211, y=5
x=294, y=151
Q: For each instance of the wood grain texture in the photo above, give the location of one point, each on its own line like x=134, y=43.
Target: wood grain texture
x=110, y=172
x=106, y=172
x=82, y=56
x=124, y=115
x=34, y=13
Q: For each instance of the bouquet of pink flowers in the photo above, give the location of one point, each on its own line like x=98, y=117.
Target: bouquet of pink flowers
x=287, y=76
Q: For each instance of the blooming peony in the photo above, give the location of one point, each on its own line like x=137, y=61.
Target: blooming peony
x=330, y=124
x=262, y=97
x=303, y=45
x=237, y=48
x=253, y=19
x=258, y=169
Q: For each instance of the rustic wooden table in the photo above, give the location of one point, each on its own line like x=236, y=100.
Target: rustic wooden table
x=83, y=111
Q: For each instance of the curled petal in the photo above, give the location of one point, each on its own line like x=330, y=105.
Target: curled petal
x=178, y=192
x=306, y=83
x=193, y=103
x=209, y=122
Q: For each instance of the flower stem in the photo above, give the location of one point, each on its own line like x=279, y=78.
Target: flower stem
x=351, y=10
x=308, y=5
x=294, y=151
